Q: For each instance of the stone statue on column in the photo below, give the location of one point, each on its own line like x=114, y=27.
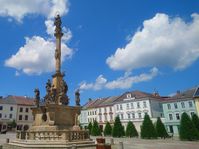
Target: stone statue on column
x=37, y=97
x=77, y=97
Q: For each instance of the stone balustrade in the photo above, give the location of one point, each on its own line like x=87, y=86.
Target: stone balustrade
x=67, y=135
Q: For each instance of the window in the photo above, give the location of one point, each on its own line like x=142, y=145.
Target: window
x=127, y=106
x=128, y=95
x=192, y=113
x=175, y=105
x=27, y=109
x=0, y=115
x=133, y=115
x=105, y=110
x=144, y=104
x=95, y=112
x=182, y=104
x=190, y=104
x=138, y=105
x=139, y=115
x=177, y=116
x=129, y=116
x=170, y=117
x=117, y=107
x=88, y=113
x=168, y=106
x=110, y=109
x=11, y=108
x=21, y=110
x=122, y=116
x=1, y=107
x=100, y=117
x=132, y=105
x=105, y=117
x=20, y=117
x=100, y=110
x=111, y=117
x=121, y=107
x=10, y=116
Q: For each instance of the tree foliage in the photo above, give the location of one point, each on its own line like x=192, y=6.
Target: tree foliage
x=118, y=130
x=131, y=130
x=160, y=129
x=95, y=129
x=90, y=127
x=147, y=129
x=188, y=131
x=107, y=129
x=195, y=120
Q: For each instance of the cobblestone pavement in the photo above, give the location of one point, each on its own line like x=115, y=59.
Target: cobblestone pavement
x=136, y=143
x=133, y=143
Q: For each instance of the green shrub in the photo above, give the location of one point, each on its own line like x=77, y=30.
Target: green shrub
x=95, y=129
x=188, y=131
x=160, y=129
x=147, y=129
x=107, y=129
x=131, y=130
x=195, y=120
x=90, y=127
x=117, y=128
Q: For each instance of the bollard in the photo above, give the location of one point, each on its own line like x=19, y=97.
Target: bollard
x=112, y=141
x=121, y=145
x=74, y=146
x=7, y=140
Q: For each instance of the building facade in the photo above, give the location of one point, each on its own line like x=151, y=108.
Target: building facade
x=174, y=107
x=132, y=106
x=18, y=109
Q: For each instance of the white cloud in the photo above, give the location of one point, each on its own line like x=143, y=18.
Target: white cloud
x=50, y=29
x=163, y=41
x=36, y=56
x=18, y=9
x=99, y=84
x=124, y=82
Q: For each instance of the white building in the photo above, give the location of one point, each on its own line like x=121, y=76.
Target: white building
x=17, y=108
x=174, y=106
x=132, y=106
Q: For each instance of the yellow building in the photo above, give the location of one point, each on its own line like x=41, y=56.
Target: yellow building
x=196, y=97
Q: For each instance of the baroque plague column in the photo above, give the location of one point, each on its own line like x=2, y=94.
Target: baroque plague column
x=54, y=119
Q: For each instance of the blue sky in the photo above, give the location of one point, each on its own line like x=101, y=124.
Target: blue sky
x=109, y=47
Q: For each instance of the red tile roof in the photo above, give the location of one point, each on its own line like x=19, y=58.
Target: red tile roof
x=19, y=100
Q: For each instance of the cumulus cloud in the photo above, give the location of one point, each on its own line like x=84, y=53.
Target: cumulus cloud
x=18, y=9
x=162, y=41
x=36, y=56
x=123, y=82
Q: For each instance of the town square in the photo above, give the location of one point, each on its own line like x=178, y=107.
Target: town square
x=99, y=74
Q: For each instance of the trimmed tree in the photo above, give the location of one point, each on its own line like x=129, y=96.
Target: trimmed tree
x=160, y=129
x=195, y=120
x=95, y=129
x=90, y=127
x=107, y=129
x=147, y=129
x=188, y=131
x=131, y=130
x=117, y=128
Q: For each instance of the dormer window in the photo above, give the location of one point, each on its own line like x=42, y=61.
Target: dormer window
x=128, y=95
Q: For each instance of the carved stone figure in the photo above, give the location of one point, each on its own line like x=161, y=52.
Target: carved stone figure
x=57, y=24
x=37, y=97
x=54, y=94
x=77, y=97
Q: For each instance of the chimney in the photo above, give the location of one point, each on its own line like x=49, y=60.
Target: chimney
x=178, y=92
x=89, y=99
